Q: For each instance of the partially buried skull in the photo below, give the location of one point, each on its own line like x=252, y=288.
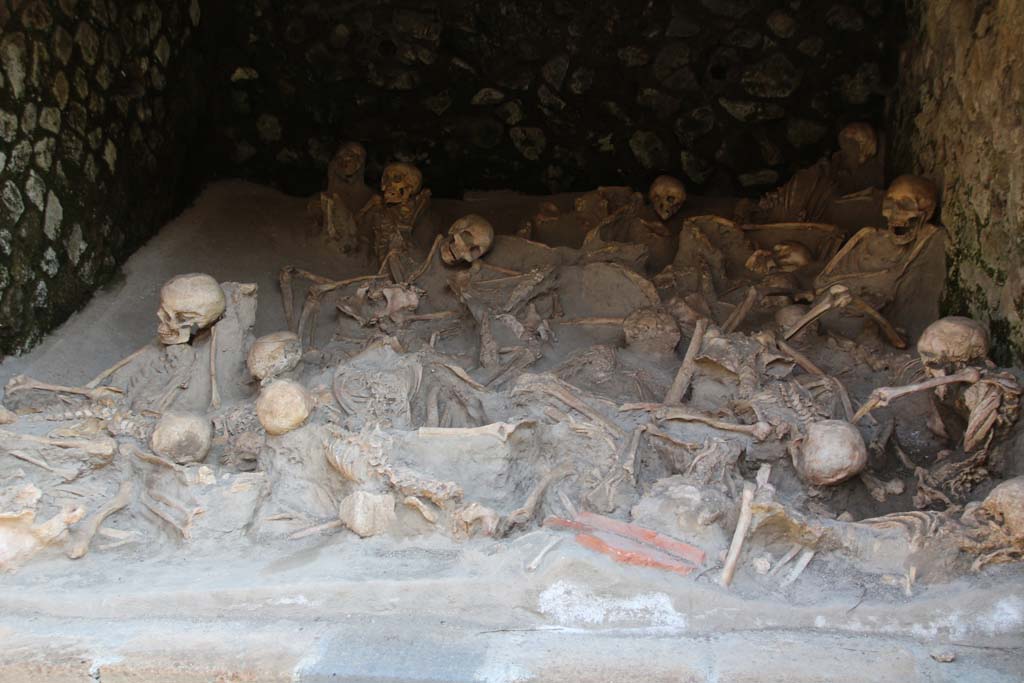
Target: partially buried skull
x=1006, y=504
x=283, y=406
x=909, y=202
x=188, y=304
x=274, y=354
x=833, y=451
x=858, y=142
x=351, y=159
x=468, y=239
x=182, y=437
x=667, y=196
x=651, y=331
x=400, y=182
x=949, y=344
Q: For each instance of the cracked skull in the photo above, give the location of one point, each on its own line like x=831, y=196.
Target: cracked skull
x=651, y=331
x=858, y=142
x=188, y=304
x=400, y=183
x=833, y=451
x=949, y=344
x=667, y=195
x=909, y=202
x=468, y=239
x=274, y=354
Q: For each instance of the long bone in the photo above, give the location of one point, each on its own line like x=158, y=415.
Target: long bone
x=83, y=535
x=102, y=446
x=67, y=474
x=23, y=383
x=321, y=285
x=759, y=430
x=839, y=296
x=883, y=396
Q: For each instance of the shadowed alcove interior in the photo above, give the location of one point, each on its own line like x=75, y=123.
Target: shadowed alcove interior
x=113, y=115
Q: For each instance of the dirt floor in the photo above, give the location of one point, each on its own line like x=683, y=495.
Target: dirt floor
x=269, y=586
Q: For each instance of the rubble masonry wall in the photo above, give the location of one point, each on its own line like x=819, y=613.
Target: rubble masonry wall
x=959, y=119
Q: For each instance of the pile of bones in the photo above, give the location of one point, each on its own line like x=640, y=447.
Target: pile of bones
x=687, y=392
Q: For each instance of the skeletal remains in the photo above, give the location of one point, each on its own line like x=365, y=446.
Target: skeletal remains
x=492, y=382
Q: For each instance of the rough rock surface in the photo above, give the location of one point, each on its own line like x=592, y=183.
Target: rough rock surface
x=98, y=102
x=958, y=121
x=546, y=97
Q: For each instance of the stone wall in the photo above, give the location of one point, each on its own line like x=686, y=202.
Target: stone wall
x=959, y=119
x=99, y=105
x=542, y=95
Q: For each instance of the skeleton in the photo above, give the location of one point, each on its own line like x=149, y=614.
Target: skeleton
x=391, y=216
x=953, y=351
x=346, y=193
x=468, y=239
x=899, y=269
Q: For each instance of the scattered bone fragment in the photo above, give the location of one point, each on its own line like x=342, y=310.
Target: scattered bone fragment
x=420, y=507
x=20, y=536
x=805, y=559
x=82, y=535
x=685, y=374
x=101, y=446
x=535, y=563
x=367, y=514
x=66, y=473
x=742, y=526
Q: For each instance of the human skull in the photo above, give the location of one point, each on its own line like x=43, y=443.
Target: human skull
x=667, y=195
x=790, y=256
x=858, y=142
x=351, y=159
x=468, y=239
x=283, y=405
x=273, y=354
x=188, y=303
x=1006, y=504
x=910, y=201
x=651, y=331
x=182, y=437
x=832, y=451
x=400, y=183
x=951, y=343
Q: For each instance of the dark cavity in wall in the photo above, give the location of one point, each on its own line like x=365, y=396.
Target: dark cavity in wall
x=730, y=95
x=112, y=113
